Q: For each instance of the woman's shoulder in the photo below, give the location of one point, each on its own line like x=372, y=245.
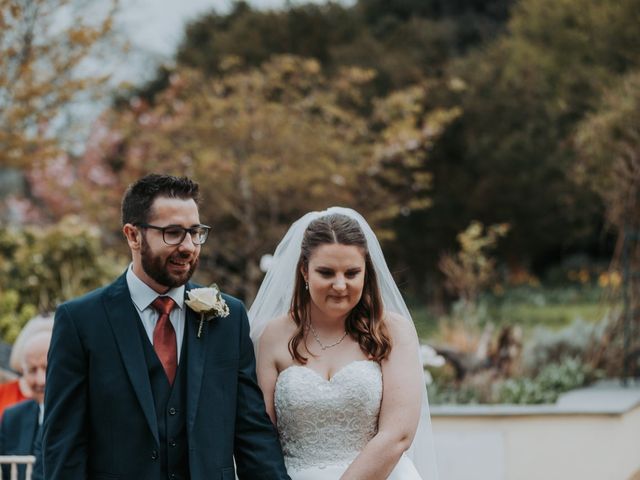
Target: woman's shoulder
x=279, y=328
x=399, y=326
x=273, y=345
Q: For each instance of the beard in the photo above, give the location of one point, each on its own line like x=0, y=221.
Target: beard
x=156, y=266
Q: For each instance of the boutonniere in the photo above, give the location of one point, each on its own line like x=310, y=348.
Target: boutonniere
x=208, y=303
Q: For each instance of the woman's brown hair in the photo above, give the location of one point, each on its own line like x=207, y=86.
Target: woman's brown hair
x=365, y=322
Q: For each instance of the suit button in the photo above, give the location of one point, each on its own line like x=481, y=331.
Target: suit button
x=154, y=455
x=172, y=411
x=172, y=443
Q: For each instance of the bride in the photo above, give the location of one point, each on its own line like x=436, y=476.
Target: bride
x=338, y=356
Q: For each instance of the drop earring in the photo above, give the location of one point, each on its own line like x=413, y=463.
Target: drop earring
x=306, y=286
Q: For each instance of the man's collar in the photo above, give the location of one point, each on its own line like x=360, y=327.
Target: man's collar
x=142, y=294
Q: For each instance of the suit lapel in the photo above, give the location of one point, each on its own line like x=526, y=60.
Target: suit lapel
x=122, y=314
x=195, y=364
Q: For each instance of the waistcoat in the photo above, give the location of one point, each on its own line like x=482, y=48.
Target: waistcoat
x=170, y=403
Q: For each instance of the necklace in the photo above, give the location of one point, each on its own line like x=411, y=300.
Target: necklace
x=323, y=346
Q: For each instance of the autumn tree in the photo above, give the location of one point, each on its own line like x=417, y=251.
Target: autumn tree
x=266, y=144
x=405, y=129
x=472, y=269
x=44, y=51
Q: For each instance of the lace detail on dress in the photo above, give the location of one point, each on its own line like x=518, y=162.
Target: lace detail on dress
x=327, y=422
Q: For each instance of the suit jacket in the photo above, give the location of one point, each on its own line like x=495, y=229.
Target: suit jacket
x=18, y=430
x=100, y=421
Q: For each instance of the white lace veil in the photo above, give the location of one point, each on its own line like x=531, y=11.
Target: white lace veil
x=274, y=300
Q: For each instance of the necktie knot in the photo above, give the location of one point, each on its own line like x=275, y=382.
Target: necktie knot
x=163, y=305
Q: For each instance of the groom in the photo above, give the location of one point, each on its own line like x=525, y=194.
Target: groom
x=134, y=391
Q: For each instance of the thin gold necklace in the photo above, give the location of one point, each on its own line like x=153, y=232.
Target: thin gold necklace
x=322, y=345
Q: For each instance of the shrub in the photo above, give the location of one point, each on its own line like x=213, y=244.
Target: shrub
x=553, y=380
x=43, y=266
x=547, y=346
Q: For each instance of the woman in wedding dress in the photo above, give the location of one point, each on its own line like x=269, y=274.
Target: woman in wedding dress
x=338, y=357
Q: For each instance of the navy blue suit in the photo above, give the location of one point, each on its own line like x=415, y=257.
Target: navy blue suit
x=18, y=430
x=100, y=419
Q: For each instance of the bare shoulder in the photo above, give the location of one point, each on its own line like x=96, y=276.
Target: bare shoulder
x=277, y=333
x=278, y=328
x=400, y=327
x=274, y=341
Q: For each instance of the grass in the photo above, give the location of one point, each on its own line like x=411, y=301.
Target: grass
x=552, y=315
x=528, y=307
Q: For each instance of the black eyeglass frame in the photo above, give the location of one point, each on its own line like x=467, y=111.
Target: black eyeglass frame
x=196, y=232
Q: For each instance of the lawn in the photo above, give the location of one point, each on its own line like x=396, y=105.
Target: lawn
x=528, y=307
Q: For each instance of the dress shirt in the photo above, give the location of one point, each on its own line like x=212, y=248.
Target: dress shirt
x=143, y=296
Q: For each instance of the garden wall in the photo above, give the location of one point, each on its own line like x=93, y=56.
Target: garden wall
x=589, y=434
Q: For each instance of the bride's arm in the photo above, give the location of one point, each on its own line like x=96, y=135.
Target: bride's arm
x=266, y=366
x=403, y=384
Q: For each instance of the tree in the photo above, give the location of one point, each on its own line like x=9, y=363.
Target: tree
x=608, y=163
x=509, y=156
x=402, y=41
x=406, y=129
x=608, y=145
x=44, y=46
x=267, y=144
x=254, y=35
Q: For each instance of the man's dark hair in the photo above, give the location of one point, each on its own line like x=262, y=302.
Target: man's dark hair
x=137, y=200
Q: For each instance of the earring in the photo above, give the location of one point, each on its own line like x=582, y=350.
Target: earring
x=306, y=286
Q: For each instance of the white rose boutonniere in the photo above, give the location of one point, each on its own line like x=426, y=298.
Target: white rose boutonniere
x=208, y=303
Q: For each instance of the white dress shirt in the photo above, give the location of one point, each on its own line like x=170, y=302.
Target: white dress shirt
x=143, y=296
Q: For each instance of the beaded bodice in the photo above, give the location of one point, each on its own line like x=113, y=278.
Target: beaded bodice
x=327, y=422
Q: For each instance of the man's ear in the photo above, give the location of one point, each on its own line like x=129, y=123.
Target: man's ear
x=133, y=236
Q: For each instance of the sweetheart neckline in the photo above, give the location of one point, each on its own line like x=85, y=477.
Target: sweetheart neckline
x=321, y=377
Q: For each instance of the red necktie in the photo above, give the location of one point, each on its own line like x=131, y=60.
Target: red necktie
x=164, y=337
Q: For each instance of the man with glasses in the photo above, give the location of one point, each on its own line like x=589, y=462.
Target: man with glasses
x=134, y=389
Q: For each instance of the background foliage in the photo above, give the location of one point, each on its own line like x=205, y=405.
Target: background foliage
x=40, y=267
x=426, y=115
x=268, y=144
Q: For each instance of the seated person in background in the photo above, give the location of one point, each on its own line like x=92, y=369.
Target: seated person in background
x=17, y=390
x=20, y=424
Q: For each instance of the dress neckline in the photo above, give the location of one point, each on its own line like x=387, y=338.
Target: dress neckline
x=336, y=373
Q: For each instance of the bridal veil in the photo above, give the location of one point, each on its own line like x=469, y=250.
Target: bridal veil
x=274, y=300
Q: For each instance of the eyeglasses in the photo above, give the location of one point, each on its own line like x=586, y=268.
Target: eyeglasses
x=175, y=234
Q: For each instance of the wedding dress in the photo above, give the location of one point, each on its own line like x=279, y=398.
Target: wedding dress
x=319, y=419
x=324, y=424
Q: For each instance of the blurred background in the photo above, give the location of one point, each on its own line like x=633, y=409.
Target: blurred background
x=494, y=146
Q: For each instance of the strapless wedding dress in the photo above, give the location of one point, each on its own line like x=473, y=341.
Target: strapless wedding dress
x=323, y=424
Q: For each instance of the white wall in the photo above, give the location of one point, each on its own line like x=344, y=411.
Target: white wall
x=544, y=443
